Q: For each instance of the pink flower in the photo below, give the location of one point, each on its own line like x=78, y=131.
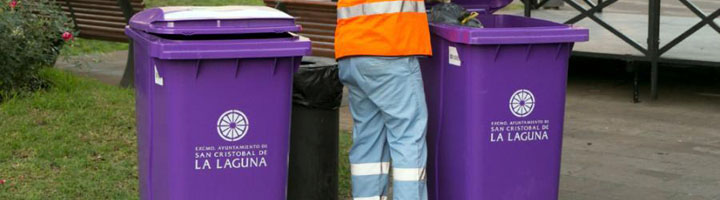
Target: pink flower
x=13, y=3
x=67, y=36
x=2, y=182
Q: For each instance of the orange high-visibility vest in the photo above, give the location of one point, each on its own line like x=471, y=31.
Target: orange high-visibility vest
x=381, y=28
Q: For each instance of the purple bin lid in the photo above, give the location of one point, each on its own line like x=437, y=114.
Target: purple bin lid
x=200, y=20
x=488, y=6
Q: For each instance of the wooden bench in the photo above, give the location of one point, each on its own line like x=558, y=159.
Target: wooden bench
x=104, y=20
x=318, y=21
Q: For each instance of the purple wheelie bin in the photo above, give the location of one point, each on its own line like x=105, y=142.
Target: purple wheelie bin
x=496, y=98
x=213, y=100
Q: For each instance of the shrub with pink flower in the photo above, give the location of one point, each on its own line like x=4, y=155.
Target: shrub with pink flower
x=32, y=32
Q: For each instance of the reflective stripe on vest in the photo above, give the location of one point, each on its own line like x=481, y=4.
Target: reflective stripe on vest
x=385, y=7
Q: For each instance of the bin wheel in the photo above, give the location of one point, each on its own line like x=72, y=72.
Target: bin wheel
x=232, y=125
x=522, y=103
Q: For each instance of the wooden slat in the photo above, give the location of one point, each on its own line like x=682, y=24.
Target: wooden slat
x=318, y=32
x=321, y=38
x=324, y=53
x=304, y=2
x=303, y=9
x=113, y=30
x=313, y=14
x=101, y=23
x=95, y=6
x=139, y=5
x=313, y=25
x=315, y=9
x=100, y=35
x=323, y=45
x=90, y=33
x=100, y=17
x=113, y=1
x=93, y=11
x=316, y=20
x=306, y=6
x=90, y=2
x=288, y=7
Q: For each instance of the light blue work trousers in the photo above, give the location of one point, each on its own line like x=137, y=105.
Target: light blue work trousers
x=387, y=102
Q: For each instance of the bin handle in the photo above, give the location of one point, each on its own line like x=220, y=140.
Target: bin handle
x=528, y=50
x=197, y=68
x=557, y=52
x=275, y=62
x=237, y=67
x=441, y=108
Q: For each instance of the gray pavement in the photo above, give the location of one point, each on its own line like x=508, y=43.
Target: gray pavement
x=613, y=149
x=667, y=149
x=107, y=68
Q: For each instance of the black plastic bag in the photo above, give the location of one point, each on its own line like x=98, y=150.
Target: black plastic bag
x=317, y=85
x=450, y=13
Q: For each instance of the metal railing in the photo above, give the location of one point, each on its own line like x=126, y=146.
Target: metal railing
x=653, y=52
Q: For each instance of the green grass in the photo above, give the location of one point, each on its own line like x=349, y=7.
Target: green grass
x=73, y=141
x=344, y=163
x=81, y=46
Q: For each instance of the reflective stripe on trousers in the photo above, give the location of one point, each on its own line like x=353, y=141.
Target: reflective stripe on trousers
x=387, y=102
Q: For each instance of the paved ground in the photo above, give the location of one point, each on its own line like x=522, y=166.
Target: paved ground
x=613, y=149
x=668, y=149
x=107, y=68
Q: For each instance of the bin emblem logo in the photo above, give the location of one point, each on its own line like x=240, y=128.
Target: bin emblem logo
x=522, y=103
x=232, y=125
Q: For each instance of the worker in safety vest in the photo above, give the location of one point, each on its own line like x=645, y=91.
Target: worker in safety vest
x=377, y=44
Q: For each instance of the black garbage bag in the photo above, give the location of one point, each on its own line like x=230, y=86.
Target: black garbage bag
x=450, y=13
x=316, y=84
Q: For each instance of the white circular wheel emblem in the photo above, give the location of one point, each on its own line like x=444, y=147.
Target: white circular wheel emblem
x=232, y=125
x=522, y=103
